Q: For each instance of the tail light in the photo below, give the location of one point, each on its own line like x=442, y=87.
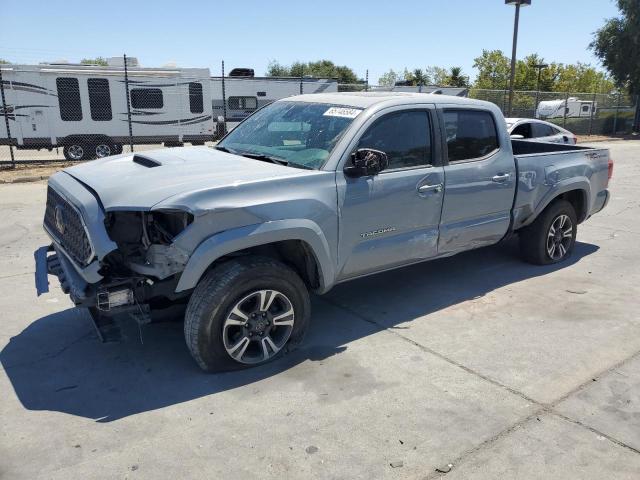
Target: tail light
x=610, y=173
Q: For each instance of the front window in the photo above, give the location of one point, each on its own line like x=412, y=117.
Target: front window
x=299, y=133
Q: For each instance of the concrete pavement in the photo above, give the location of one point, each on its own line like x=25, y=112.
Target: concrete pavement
x=498, y=368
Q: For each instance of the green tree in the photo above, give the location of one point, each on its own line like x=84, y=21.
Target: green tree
x=320, y=68
x=95, y=61
x=582, y=78
x=4, y=62
x=456, y=78
x=438, y=75
x=388, y=79
x=493, y=70
x=617, y=45
x=275, y=69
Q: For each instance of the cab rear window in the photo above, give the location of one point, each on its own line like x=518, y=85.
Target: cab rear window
x=471, y=134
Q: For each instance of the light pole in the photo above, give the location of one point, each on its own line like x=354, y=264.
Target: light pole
x=539, y=66
x=518, y=4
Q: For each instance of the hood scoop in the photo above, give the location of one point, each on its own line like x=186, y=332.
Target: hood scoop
x=145, y=161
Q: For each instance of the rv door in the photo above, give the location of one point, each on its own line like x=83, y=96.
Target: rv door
x=39, y=125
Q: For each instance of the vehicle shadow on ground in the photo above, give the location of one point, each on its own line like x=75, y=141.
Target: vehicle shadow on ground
x=58, y=364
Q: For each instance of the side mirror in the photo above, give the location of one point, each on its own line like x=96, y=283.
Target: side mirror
x=517, y=137
x=366, y=161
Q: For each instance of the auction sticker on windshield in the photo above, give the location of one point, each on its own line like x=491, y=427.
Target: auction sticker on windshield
x=342, y=112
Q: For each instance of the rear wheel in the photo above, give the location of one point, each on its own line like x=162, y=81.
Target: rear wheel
x=103, y=150
x=76, y=151
x=552, y=237
x=246, y=312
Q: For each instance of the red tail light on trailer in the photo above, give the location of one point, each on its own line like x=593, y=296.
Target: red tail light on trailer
x=610, y=174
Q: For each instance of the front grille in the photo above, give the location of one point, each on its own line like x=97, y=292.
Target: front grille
x=64, y=222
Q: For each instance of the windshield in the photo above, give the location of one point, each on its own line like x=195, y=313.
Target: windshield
x=298, y=133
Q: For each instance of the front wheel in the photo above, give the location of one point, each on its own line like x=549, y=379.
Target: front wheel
x=552, y=236
x=246, y=312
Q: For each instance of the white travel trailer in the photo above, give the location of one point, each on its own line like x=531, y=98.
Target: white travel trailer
x=435, y=89
x=245, y=93
x=574, y=108
x=83, y=108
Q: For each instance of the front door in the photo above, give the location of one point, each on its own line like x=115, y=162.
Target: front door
x=391, y=218
x=480, y=181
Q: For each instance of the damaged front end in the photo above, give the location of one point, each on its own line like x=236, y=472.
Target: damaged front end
x=115, y=262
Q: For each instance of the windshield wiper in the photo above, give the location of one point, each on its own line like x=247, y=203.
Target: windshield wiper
x=224, y=149
x=262, y=156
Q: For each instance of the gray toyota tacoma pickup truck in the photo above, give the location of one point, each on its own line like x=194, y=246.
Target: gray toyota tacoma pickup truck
x=308, y=192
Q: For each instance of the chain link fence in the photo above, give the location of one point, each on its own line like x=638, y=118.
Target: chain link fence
x=65, y=112
x=580, y=113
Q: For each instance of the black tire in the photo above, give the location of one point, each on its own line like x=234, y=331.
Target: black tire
x=220, y=290
x=534, y=246
x=117, y=149
x=77, y=151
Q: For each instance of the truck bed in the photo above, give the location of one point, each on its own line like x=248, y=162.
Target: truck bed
x=546, y=170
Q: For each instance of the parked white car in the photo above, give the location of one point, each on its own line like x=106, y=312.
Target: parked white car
x=539, y=131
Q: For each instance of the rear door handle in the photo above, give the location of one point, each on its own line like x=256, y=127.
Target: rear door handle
x=503, y=177
x=430, y=188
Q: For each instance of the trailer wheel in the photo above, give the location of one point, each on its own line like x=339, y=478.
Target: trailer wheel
x=76, y=151
x=103, y=150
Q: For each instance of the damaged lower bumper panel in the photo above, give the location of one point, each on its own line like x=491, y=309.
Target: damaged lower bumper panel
x=49, y=261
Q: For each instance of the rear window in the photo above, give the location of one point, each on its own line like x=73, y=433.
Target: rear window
x=146, y=98
x=542, y=130
x=471, y=134
x=69, y=99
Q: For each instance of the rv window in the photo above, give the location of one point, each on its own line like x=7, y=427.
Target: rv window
x=585, y=108
x=146, y=98
x=99, y=99
x=69, y=99
x=195, y=97
x=243, y=103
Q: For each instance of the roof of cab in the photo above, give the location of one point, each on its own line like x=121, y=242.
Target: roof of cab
x=367, y=99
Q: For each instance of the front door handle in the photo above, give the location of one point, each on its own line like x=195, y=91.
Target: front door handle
x=503, y=177
x=430, y=188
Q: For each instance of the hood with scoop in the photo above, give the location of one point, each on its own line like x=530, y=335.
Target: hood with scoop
x=141, y=180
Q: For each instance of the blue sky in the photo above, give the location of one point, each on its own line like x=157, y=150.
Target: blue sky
x=372, y=34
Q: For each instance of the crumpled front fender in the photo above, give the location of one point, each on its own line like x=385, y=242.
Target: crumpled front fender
x=248, y=236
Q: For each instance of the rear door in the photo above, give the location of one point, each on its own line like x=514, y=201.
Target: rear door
x=392, y=218
x=480, y=180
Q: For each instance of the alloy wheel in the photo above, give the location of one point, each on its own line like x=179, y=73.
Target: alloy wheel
x=559, y=237
x=258, y=326
x=76, y=152
x=103, y=150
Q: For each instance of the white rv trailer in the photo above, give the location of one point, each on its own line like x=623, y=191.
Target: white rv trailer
x=246, y=94
x=83, y=108
x=574, y=108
